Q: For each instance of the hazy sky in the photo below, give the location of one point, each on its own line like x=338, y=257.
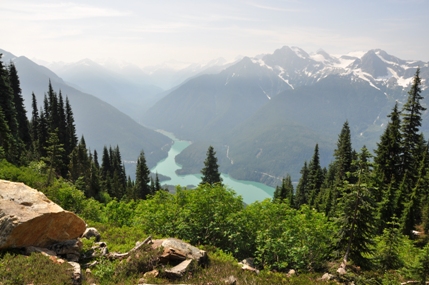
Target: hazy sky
x=151, y=32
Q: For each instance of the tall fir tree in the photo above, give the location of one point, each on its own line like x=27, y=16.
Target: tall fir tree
x=343, y=153
x=315, y=177
x=143, y=179
x=411, y=122
x=356, y=219
x=302, y=190
x=388, y=153
x=21, y=113
x=285, y=192
x=210, y=172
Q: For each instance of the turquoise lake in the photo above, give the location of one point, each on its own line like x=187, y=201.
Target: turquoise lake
x=249, y=190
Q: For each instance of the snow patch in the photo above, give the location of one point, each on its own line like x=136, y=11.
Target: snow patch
x=261, y=63
x=298, y=52
x=282, y=71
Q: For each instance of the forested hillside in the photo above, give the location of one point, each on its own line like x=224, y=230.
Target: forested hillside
x=366, y=215
x=265, y=114
x=101, y=123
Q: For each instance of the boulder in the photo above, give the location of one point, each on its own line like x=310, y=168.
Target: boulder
x=341, y=271
x=248, y=265
x=178, y=250
x=29, y=218
x=69, y=249
x=91, y=232
x=179, y=270
x=327, y=277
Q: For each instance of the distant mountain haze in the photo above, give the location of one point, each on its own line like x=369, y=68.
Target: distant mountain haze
x=99, y=122
x=264, y=115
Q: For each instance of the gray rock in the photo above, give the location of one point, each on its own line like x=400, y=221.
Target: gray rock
x=92, y=232
x=179, y=270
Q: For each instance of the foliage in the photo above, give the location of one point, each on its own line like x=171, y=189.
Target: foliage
x=210, y=172
x=34, y=269
x=298, y=239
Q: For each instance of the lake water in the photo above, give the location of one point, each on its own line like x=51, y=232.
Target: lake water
x=249, y=190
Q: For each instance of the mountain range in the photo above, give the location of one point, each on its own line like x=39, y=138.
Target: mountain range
x=264, y=114
x=101, y=123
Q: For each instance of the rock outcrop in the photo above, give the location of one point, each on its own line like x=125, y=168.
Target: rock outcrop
x=29, y=218
x=175, y=249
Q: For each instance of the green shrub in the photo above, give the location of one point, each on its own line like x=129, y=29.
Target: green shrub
x=35, y=269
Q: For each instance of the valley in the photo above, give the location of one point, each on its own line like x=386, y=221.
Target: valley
x=263, y=114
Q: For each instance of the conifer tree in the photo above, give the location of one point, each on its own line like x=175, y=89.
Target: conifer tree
x=301, y=196
x=285, y=192
x=356, y=214
x=21, y=113
x=34, y=127
x=411, y=122
x=315, y=177
x=343, y=153
x=54, y=154
x=71, y=137
x=210, y=171
x=143, y=179
x=7, y=100
x=6, y=138
x=389, y=150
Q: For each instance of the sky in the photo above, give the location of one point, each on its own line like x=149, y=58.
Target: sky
x=148, y=33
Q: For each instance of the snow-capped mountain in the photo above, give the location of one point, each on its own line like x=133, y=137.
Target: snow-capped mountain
x=378, y=68
x=279, y=105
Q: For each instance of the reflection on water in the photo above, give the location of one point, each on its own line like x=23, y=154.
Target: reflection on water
x=249, y=190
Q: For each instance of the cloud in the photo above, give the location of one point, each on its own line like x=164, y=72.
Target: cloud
x=265, y=7
x=39, y=11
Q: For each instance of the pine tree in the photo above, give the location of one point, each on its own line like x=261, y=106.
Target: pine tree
x=142, y=186
x=285, y=192
x=343, y=153
x=54, y=154
x=411, y=122
x=71, y=137
x=6, y=138
x=315, y=177
x=118, y=176
x=302, y=192
x=21, y=113
x=7, y=100
x=389, y=150
x=10, y=135
x=34, y=127
x=357, y=220
x=210, y=171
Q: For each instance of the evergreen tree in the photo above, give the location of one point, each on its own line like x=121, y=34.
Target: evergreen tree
x=356, y=219
x=389, y=150
x=411, y=122
x=315, y=177
x=10, y=139
x=34, y=127
x=285, y=192
x=118, y=176
x=42, y=134
x=157, y=183
x=54, y=154
x=6, y=138
x=71, y=137
x=343, y=153
x=142, y=186
x=7, y=100
x=21, y=116
x=210, y=171
x=302, y=192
